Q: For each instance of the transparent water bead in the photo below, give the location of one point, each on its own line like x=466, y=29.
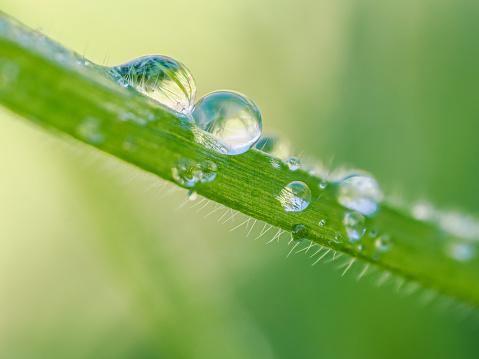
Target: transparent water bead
x=322, y=185
x=299, y=232
x=186, y=172
x=295, y=196
x=360, y=193
x=208, y=171
x=231, y=118
x=355, y=225
x=161, y=78
x=383, y=243
x=293, y=163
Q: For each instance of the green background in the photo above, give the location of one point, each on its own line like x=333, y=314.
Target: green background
x=96, y=263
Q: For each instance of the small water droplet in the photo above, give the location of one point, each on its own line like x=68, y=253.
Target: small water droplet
x=295, y=196
x=192, y=195
x=89, y=130
x=354, y=223
x=373, y=233
x=293, y=163
x=359, y=247
x=274, y=145
x=230, y=118
x=322, y=185
x=208, y=171
x=337, y=237
x=383, y=243
x=161, y=78
x=299, y=232
x=322, y=222
x=461, y=252
x=186, y=172
x=360, y=193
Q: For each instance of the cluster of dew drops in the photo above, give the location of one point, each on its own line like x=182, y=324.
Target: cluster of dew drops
x=234, y=121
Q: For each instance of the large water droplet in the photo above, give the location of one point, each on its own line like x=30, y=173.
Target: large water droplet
x=161, y=78
x=299, y=232
x=360, y=193
x=231, y=118
x=354, y=223
x=295, y=196
x=186, y=172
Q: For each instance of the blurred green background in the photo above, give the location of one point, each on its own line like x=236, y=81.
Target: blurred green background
x=95, y=262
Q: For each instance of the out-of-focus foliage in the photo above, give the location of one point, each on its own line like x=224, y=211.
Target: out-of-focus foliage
x=94, y=264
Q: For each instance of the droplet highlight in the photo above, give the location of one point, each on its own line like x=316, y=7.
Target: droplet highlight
x=360, y=193
x=299, y=232
x=161, y=78
x=231, y=118
x=295, y=196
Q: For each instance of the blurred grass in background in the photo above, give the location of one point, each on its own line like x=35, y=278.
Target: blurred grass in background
x=94, y=264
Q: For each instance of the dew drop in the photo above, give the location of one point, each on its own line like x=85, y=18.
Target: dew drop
x=274, y=145
x=293, y=163
x=161, y=78
x=322, y=222
x=461, y=252
x=354, y=223
x=186, y=172
x=359, y=247
x=337, y=237
x=383, y=243
x=208, y=171
x=231, y=118
x=299, y=232
x=295, y=196
x=322, y=185
x=373, y=233
x=89, y=130
x=360, y=193
x=192, y=195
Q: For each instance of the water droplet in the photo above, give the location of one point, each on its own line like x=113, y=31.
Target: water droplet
x=337, y=237
x=299, y=232
x=322, y=222
x=274, y=145
x=383, y=243
x=461, y=252
x=360, y=193
x=186, y=172
x=293, y=163
x=354, y=222
x=192, y=195
x=89, y=130
x=208, y=171
x=373, y=233
x=161, y=78
x=231, y=118
x=295, y=196
x=322, y=185
x=359, y=247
